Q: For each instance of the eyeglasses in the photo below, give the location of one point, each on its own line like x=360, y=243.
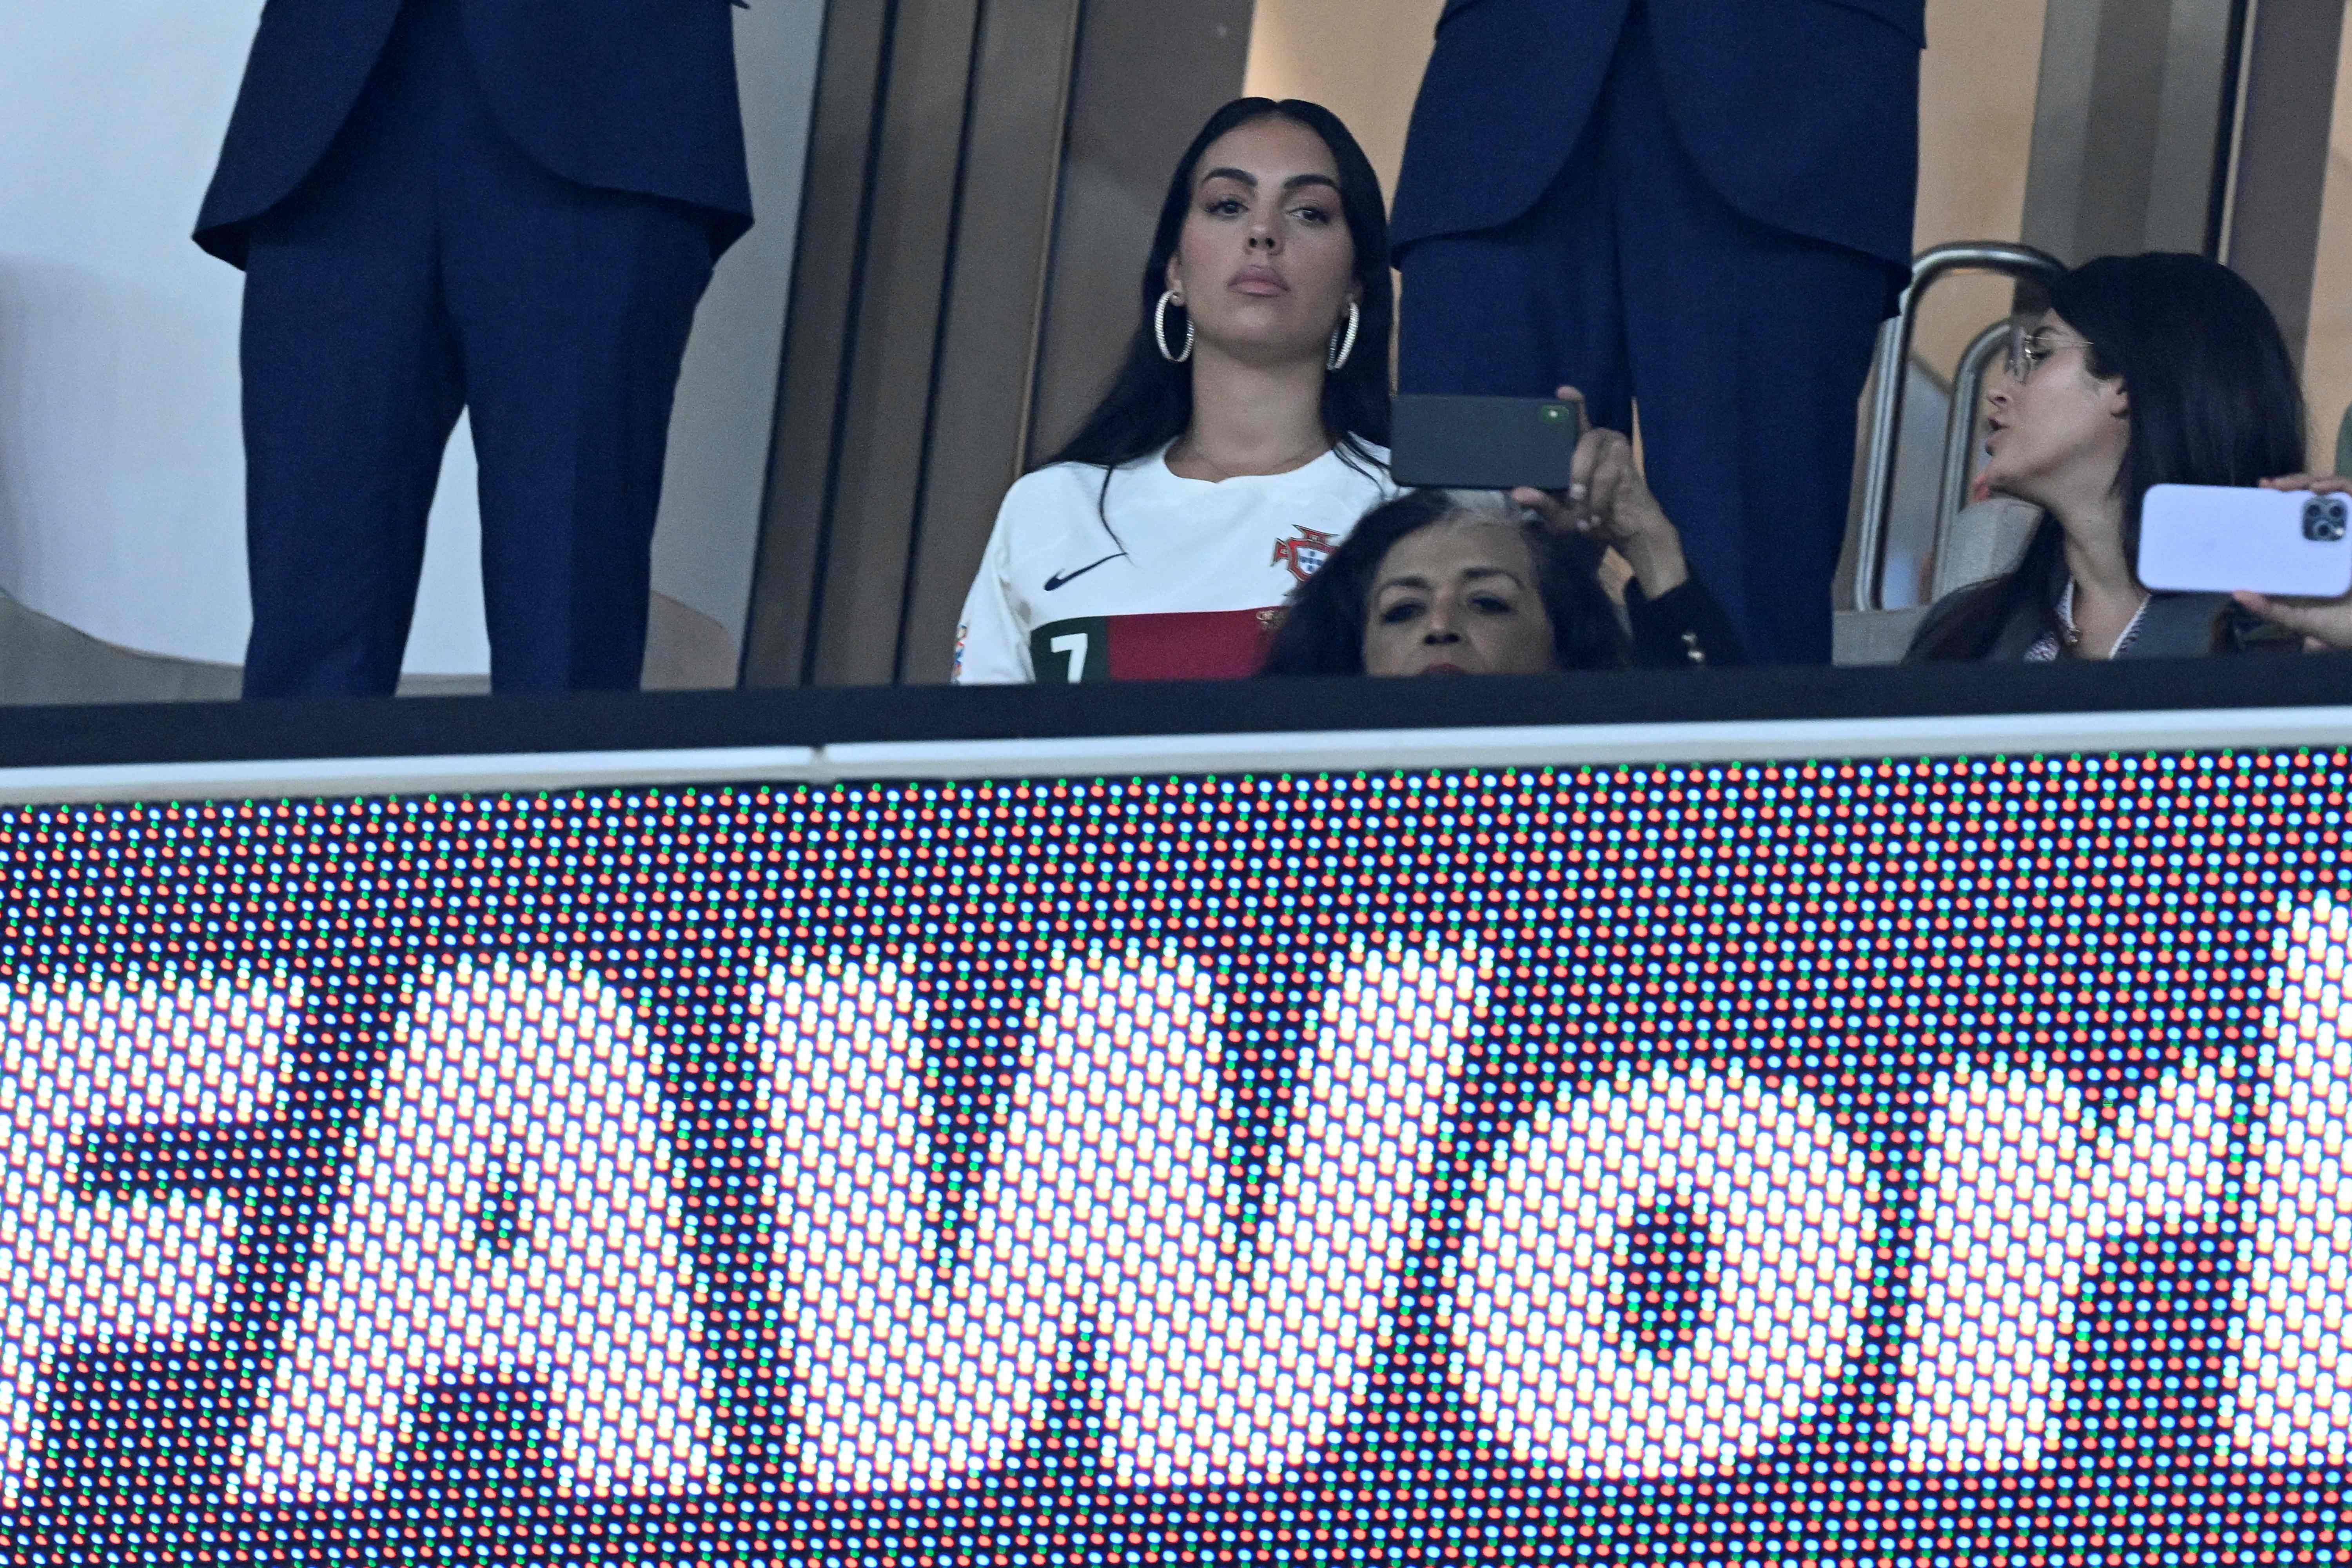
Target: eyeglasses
x=2029, y=346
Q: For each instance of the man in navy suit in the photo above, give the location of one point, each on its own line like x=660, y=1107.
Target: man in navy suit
x=1704, y=205
x=510, y=207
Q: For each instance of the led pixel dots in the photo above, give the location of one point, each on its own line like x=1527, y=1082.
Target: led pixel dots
x=508, y=1218
x=2294, y=1389
x=1901, y=1162
x=1231, y=1351
x=130, y=1054
x=1560, y=1346
x=2026, y=1186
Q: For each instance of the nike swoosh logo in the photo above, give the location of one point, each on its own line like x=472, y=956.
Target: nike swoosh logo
x=1058, y=578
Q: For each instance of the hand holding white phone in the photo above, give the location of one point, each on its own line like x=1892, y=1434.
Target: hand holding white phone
x=2324, y=624
x=2223, y=539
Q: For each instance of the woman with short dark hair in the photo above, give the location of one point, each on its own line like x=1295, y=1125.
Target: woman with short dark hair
x=2146, y=370
x=1474, y=582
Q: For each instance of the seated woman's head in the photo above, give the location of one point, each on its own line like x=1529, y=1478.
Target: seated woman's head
x=1450, y=582
x=2146, y=370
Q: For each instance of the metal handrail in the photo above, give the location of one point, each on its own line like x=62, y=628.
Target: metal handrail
x=2019, y=261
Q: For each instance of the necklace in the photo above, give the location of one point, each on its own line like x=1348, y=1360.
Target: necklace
x=1177, y=452
x=2073, y=634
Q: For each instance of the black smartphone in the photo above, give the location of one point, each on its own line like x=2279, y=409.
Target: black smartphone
x=1485, y=443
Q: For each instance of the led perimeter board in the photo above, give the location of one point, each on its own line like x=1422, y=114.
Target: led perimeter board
x=1905, y=1161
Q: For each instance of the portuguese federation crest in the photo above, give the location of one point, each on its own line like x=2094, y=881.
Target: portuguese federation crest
x=1304, y=553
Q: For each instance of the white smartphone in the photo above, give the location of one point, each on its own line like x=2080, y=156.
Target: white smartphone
x=2217, y=538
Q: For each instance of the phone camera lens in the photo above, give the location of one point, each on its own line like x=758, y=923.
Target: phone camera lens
x=2324, y=522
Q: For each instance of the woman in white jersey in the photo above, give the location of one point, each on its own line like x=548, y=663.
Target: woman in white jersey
x=1247, y=433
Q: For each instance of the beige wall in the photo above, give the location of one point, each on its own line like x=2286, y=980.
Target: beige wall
x=2328, y=353
x=1363, y=59
x=1359, y=58
x=1977, y=85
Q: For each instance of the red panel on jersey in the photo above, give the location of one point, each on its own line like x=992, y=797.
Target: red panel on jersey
x=1209, y=644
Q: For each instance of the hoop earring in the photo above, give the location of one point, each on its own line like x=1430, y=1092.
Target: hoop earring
x=1343, y=347
x=1160, y=328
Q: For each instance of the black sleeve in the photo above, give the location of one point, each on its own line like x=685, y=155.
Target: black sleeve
x=1684, y=629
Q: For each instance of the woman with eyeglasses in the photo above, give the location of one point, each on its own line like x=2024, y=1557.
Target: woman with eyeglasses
x=1246, y=431
x=2146, y=370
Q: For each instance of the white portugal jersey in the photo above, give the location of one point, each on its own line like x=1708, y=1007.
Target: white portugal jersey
x=1163, y=578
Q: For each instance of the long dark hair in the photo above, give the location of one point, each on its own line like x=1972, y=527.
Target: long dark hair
x=1322, y=630
x=1150, y=402
x=2214, y=401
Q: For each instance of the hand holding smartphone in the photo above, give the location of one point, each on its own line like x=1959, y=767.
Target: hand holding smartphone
x=1531, y=448
x=1485, y=442
x=2220, y=539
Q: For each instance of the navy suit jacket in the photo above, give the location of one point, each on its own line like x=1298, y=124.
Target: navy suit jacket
x=624, y=95
x=1803, y=114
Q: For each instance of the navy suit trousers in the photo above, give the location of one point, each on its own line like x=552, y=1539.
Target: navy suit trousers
x=428, y=266
x=1746, y=347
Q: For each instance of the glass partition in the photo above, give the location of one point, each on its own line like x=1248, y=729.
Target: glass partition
x=982, y=180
